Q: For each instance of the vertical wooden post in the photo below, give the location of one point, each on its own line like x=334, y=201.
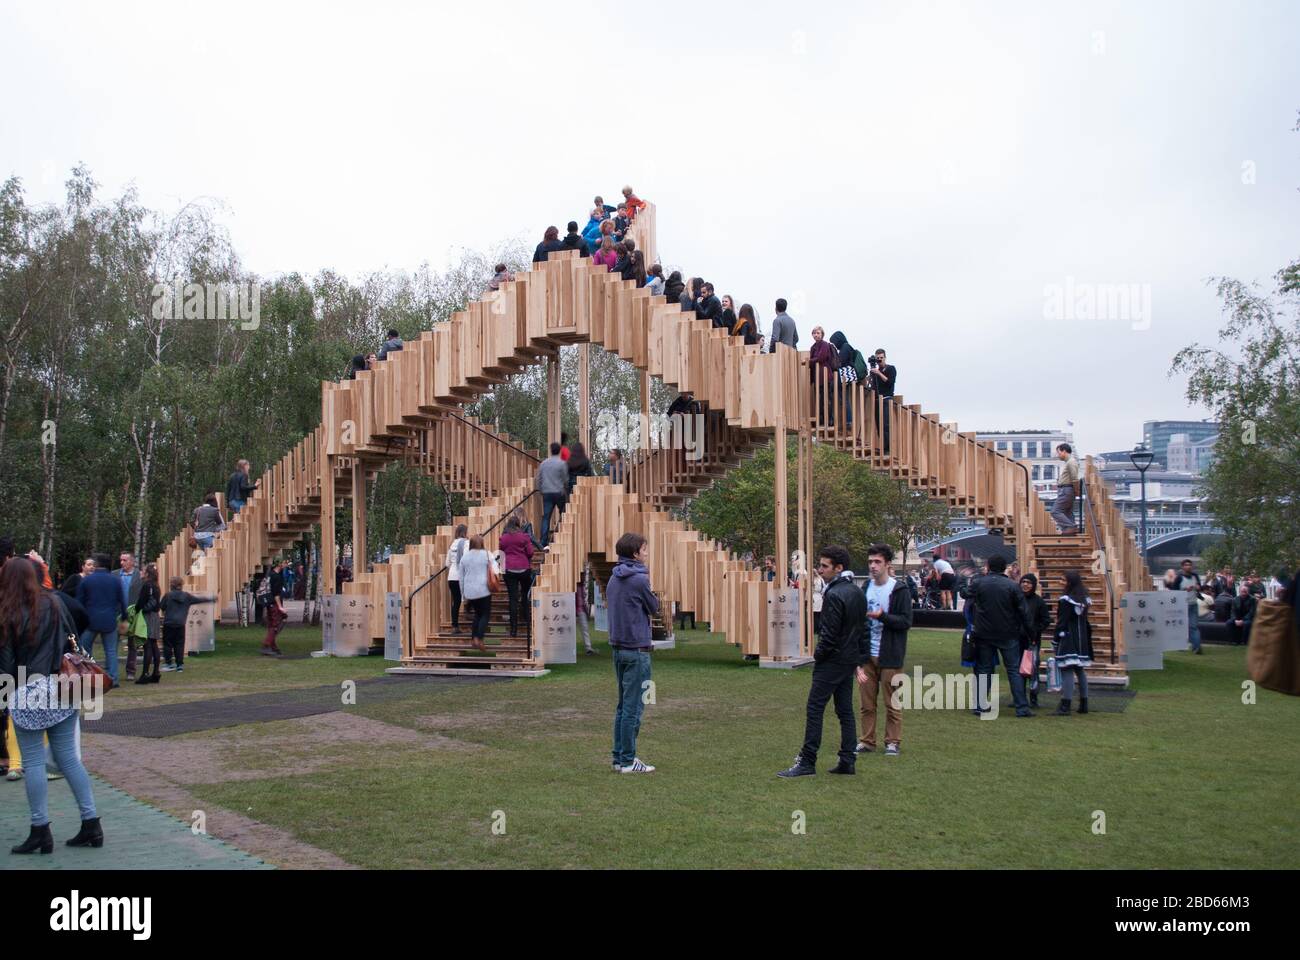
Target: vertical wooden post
x=645, y=405
x=809, y=543
x=782, y=534
x=584, y=396
x=553, y=410
x=359, y=554
x=328, y=546
x=809, y=571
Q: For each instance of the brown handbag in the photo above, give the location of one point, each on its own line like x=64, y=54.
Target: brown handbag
x=74, y=666
x=1273, y=657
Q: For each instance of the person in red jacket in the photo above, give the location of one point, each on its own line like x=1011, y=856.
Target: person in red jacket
x=634, y=203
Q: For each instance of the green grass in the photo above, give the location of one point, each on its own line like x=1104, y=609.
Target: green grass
x=1187, y=776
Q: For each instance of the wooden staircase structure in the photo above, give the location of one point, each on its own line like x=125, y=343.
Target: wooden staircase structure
x=410, y=409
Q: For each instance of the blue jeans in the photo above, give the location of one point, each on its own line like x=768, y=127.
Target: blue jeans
x=632, y=668
x=550, y=501
x=110, y=640
x=988, y=654
x=1193, y=629
x=235, y=506
x=65, y=747
x=204, y=540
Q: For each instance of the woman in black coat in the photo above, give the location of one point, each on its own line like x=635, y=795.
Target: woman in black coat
x=1040, y=619
x=1073, y=641
x=148, y=603
x=673, y=287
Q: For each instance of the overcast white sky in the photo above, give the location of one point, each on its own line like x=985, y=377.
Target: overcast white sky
x=915, y=174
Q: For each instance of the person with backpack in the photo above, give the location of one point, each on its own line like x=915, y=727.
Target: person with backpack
x=852, y=368
x=455, y=552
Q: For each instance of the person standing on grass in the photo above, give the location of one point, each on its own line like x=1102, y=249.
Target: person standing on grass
x=1190, y=583
x=1073, y=641
x=129, y=577
x=1000, y=622
x=580, y=611
x=474, y=567
x=454, y=553
x=1040, y=620
x=101, y=595
x=889, y=617
x=631, y=604
x=147, y=605
x=33, y=639
x=176, y=604
x=275, y=612
x=840, y=651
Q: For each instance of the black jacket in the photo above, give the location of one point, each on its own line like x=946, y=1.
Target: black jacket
x=1040, y=618
x=840, y=629
x=1001, y=617
x=574, y=241
x=895, y=624
x=239, y=487
x=709, y=308
x=673, y=290
x=49, y=642
x=1243, y=608
x=547, y=247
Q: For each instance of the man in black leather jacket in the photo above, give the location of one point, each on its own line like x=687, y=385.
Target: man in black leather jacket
x=1001, y=619
x=840, y=650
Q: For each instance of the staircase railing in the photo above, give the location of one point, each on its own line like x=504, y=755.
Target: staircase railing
x=410, y=600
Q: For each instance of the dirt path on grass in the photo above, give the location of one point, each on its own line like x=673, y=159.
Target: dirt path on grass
x=161, y=771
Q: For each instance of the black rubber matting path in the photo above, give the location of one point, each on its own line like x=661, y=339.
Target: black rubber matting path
x=170, y=720
x=1100, y=700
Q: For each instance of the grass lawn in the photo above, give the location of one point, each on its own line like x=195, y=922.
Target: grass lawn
x=1187, y=776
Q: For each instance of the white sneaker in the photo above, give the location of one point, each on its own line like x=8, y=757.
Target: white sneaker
x=637, y=766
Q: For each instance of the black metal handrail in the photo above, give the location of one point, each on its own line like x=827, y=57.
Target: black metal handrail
x=410, y=600
x=497, y=437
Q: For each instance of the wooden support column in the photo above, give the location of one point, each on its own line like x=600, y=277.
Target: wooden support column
x=553, y=409
x=809, y=562
x=808, y=543
x=328, y=547
x=584, y=396
x=645, y=401
x=782, y=535
x=358, y=517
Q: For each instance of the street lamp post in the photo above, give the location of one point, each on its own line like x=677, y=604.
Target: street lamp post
x=1141, y=458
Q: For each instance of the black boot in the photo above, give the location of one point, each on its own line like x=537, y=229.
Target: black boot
x=1083, y=704
x=39, y=839
x=1033, y=698
x=843, y=767
x=1063, y=710
x=91, y=835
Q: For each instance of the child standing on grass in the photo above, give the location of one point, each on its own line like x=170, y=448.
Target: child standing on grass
x=176, y=605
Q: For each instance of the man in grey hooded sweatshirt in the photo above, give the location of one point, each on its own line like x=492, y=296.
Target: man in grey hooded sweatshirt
x=631, y=605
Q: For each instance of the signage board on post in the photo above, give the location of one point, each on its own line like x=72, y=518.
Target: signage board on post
x=782, y=622
x=1154, y=621
x=200, y=628
x=393, y=626
x=345, y=623
x=555, y=624
x=328, y=620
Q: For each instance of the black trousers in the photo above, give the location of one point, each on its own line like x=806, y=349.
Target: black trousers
x=482, y=609
x=151, y=654
x=454, y=587
x=518, y=584
x=174, y=643
x=830, y=680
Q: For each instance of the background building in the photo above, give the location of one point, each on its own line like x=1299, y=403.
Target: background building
x=1186, y=455
x=1037, y=448
x=1156, y=434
